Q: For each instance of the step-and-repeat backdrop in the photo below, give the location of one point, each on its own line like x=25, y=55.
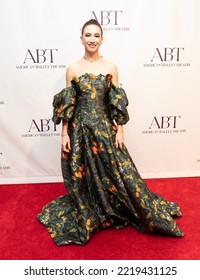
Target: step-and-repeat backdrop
x=156, y=46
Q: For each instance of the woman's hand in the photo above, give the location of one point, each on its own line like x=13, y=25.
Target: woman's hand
x=119, y=137
x=66, y=143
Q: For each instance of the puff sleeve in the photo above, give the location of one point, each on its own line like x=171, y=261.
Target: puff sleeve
x=118, y=103
x=64, y=105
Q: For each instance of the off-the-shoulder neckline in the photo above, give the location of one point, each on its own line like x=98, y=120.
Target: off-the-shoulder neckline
x=91, y=75
x=109, y=76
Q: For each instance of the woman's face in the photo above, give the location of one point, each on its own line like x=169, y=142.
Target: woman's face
x=92, y=38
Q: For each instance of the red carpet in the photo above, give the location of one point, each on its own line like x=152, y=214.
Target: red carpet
x=24, y=238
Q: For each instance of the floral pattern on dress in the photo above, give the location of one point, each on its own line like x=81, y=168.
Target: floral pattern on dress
x=104, y=188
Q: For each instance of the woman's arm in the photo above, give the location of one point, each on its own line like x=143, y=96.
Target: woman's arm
x=119, y=138
x=65, y=142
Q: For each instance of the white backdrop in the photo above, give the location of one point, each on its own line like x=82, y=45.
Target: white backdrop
x=155, y=44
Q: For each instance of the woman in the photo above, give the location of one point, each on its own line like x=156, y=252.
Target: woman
x=104, y=186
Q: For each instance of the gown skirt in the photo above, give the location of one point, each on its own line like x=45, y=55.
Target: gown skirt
x=104, y=188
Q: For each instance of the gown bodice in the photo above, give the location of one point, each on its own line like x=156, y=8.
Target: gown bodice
x=91, y=97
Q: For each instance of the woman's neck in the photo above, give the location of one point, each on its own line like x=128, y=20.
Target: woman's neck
x=91, y=58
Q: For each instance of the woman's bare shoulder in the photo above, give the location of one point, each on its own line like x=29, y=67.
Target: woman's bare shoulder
x=74, y=66
x=71, y=71
x=109, y=64
x=112, y=69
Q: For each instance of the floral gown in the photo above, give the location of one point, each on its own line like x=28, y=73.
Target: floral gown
x=103, y=184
